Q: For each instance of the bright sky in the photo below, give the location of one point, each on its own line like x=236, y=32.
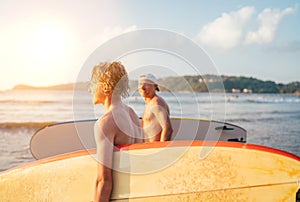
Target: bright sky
x=46, y=42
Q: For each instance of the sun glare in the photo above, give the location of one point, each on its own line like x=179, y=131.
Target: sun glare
x=45, y=54
x=49, y=43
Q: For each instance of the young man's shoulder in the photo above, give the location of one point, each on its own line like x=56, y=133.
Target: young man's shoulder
x=159, y=101
x=132, y=113
x=106, y=121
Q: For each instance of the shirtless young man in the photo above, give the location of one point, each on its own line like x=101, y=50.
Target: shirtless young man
x=156, y=118
x=119, y=125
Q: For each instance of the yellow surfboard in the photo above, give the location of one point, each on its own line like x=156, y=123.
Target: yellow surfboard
x=168, y=171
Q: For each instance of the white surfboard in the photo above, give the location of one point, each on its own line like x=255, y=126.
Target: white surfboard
x=67, y=137
x=162, y=171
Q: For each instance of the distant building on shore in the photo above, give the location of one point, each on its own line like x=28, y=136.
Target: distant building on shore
x=235, y=90
x=247, y=90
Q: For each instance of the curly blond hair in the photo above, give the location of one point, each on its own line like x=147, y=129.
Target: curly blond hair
x=112, y=78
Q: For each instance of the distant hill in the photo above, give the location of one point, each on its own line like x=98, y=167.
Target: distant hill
x=196, y=84
x=259, y=86
x=69, y=86
x=230, y=83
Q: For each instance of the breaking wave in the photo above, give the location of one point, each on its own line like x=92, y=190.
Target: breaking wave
x=29, y=125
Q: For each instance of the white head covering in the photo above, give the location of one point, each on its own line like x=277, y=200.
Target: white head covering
x=149, y=77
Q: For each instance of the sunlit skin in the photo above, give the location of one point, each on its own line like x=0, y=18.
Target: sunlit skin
x=156, y=117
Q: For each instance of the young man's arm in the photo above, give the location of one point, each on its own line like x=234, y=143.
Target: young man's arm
x=164, y=120
x=105, y=146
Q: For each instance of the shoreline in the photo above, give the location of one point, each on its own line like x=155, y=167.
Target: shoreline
x=55, y=88
x=235, y=85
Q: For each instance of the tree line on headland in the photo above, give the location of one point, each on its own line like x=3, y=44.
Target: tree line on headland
x=229, y=83
x=197, y=83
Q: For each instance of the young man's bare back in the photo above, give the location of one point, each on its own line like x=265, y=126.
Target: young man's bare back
x=119, y=125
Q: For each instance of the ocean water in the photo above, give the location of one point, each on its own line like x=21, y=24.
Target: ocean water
x=270, y=119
